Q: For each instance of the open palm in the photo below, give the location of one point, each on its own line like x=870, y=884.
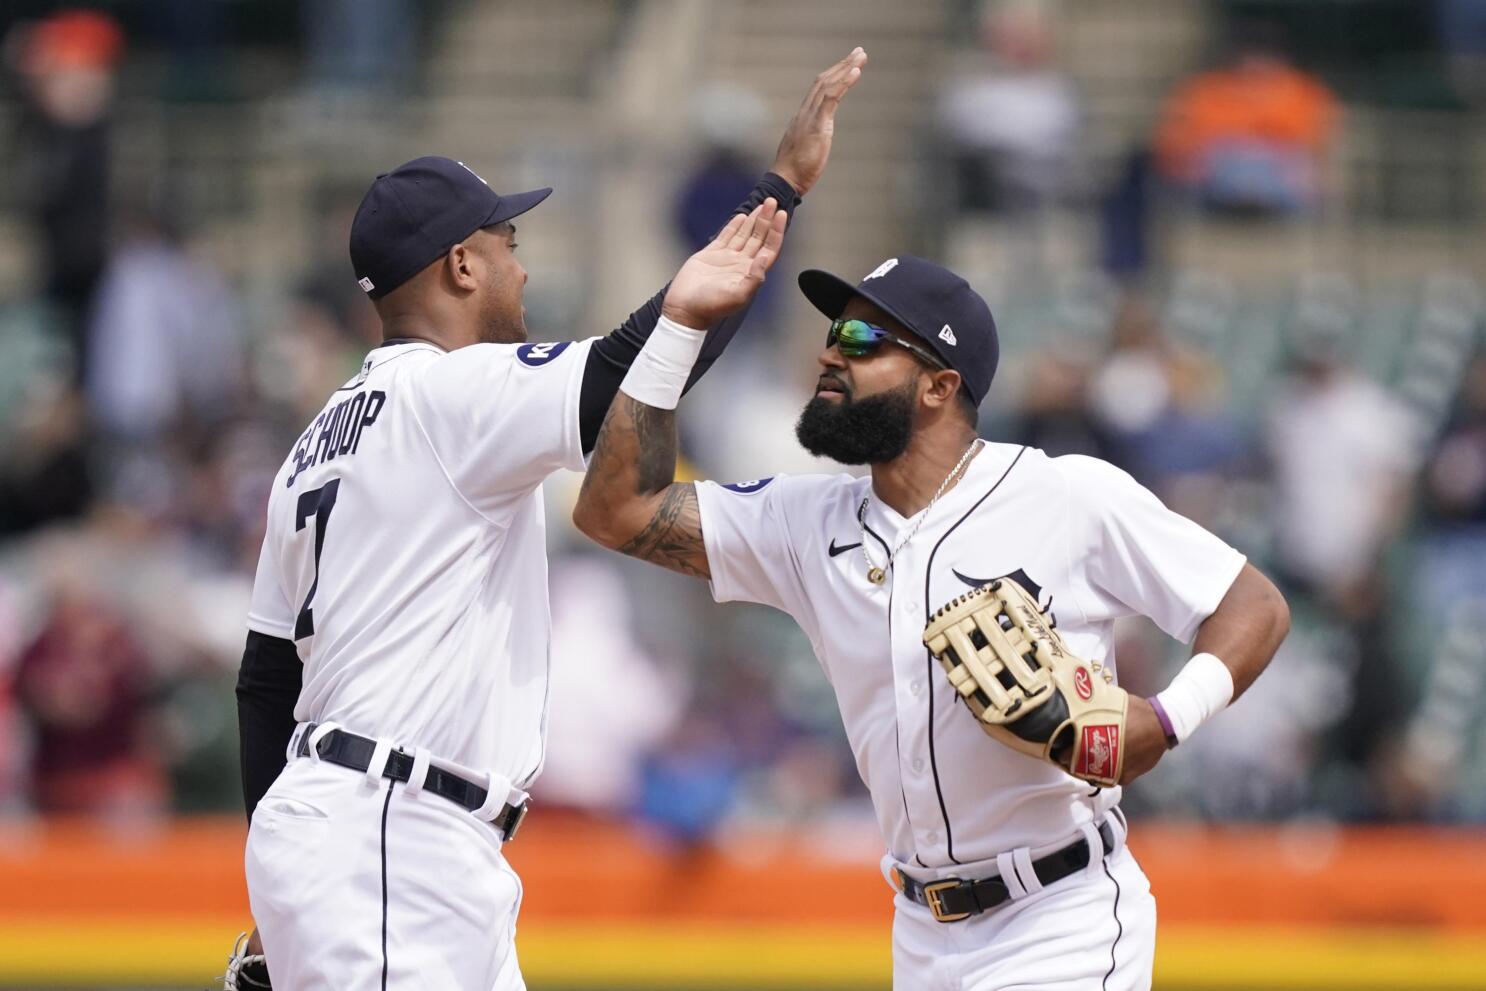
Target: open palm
x=722, y=277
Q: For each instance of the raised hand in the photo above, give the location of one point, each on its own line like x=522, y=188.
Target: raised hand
x=724, y=275
x=807, y=140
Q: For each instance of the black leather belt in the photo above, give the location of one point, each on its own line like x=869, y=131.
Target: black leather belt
x=952, y=899
x=355, y=752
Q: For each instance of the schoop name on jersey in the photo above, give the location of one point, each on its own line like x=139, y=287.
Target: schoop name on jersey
x=336, y=432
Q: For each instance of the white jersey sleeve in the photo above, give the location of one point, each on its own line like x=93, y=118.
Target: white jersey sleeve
x=751, y=551
x=1140, y=557
x=270, y=612
x=502, y=417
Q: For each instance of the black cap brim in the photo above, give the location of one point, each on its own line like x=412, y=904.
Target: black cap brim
x=515, y=204
x=830, y=293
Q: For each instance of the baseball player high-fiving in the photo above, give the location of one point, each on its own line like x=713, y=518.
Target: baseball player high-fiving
x=393, y=691
x=957, y=570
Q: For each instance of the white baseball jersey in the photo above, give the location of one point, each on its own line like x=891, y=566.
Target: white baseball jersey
x=1081, y=535
x=406, y=549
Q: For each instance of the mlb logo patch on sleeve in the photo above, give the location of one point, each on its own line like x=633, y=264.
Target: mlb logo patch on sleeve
x=537, y=355
x=747, y=487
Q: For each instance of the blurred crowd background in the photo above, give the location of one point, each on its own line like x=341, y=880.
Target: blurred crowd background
x=1232, y=246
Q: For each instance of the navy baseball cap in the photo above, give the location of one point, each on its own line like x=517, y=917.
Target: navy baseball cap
x=413, y=214
x=928, y=299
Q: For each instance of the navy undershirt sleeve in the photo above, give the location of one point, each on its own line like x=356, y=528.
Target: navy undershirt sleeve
x=268, y=686
x=610, y=357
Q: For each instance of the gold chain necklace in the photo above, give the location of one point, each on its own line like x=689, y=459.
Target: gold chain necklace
x=877, y=575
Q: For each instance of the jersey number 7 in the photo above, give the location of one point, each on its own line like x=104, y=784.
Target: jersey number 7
x=318, y=503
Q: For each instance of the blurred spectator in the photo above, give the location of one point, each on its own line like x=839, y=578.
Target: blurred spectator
x=609, y=705
x=165, y=345
x=359, y=50
x=689, y=786
x=45, y=476
x=1343, y=450
x=1160, y=408
x=1461, y=28
x=65, y=67
x=748, y=400
x=12, y=750
x=1194, y=435
x=1011, y=123
x=1451, y=586
x=722, y=176
x=1264, y=760
x=1130, y=390
x=219, y=508
x=83, y=683
x=727, y=118
x=330, y=328
x=198, y=39
x=1052, y=410
x=1250, y=137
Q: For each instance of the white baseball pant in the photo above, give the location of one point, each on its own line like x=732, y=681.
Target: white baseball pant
x=357, y=885
x=1094, y=930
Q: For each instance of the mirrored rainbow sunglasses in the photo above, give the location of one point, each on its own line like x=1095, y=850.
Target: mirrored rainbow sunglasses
x=858, y=338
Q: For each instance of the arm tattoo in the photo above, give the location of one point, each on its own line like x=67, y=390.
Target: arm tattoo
x=673, y=537
x=655, y=433
x=633, y=469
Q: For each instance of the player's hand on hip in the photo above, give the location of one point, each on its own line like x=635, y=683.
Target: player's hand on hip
x=807, y=140
x=1145, y=740
x=722, y=277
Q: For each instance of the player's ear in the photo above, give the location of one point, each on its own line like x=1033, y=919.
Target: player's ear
x=461, y=262
x=943, y=386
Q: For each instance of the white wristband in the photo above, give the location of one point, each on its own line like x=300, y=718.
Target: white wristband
x=1201, y=688
x=660, y=370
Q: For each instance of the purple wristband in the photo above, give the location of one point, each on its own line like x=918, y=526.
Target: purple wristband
x=1164, y=720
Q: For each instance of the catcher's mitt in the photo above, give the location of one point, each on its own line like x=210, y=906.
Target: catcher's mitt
x=1016, y=674
x=245, y=971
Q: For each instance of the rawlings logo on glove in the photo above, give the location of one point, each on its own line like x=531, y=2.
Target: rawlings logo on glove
x=1025, y=687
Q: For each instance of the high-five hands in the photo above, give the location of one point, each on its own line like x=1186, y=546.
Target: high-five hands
x=724, y=275
x=807, y=140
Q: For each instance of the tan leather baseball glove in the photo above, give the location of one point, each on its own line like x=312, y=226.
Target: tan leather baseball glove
x=1025, y=687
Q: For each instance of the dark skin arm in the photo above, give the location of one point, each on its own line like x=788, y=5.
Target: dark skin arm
x=630, y=501
x=1244, y=632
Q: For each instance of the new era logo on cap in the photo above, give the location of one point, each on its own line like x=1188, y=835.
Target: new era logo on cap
x=882, y=269
x=948, y=336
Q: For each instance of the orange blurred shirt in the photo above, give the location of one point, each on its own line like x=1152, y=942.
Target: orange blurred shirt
x=1277, y=105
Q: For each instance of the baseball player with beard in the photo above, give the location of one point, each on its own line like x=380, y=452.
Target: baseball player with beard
x=393, y=690
x=997, y=564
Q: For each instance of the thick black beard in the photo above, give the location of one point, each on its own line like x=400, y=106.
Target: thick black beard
x=859, y=431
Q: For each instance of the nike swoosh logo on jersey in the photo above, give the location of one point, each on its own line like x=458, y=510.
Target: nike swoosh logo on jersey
x=833, y=550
